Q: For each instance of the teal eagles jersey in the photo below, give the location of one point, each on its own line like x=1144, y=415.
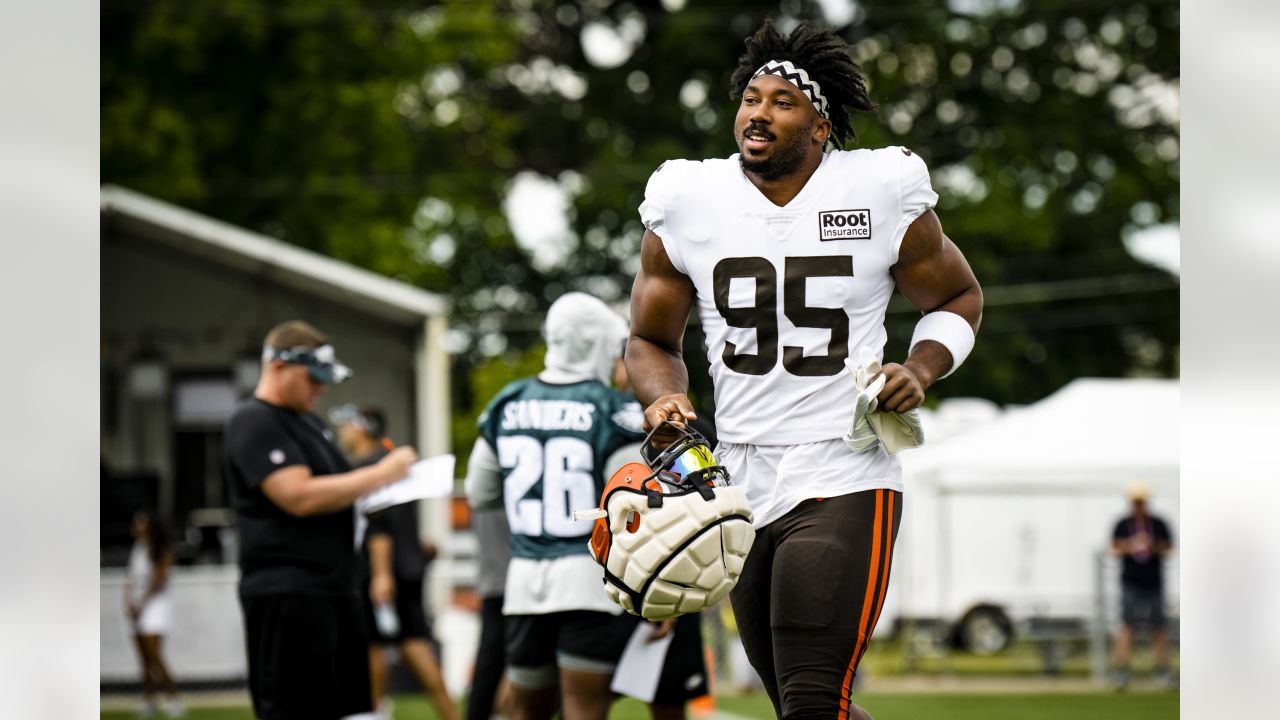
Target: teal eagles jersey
x=552, y=442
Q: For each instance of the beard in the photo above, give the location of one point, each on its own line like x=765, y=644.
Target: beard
x=784, y=159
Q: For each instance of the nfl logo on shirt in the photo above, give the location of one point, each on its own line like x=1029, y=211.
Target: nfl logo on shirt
x=844, y=225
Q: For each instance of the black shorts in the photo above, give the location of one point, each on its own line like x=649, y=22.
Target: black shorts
x=809, y=597
x=308, y=656
x=684, y=672
x=1142, y=607
x=409, y=610
x=574, y=639
x=491, y=660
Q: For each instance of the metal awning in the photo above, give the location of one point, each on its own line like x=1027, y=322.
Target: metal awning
x=291, y=266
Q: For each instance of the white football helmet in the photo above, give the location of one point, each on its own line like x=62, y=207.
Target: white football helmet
x=672, y=537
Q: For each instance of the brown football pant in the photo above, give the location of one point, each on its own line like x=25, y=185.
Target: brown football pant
x=809, y=597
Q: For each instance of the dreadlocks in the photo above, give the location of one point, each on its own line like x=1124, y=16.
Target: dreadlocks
x=822, y=54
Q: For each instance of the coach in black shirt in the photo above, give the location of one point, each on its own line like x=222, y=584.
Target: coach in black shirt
x=1142, y=541
x=293, y=491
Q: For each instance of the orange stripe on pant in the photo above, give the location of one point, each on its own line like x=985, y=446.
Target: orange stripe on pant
x=884, y=577
x=864, y=633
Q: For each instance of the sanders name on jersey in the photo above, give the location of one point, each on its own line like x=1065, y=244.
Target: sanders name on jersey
x=548, y=415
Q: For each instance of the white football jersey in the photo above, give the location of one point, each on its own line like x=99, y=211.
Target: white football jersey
x=785, y=294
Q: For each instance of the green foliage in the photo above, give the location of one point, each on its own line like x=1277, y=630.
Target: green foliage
x=483, y=381
x=386, y=133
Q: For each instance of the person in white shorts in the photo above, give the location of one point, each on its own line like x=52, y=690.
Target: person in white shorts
x=150, y=609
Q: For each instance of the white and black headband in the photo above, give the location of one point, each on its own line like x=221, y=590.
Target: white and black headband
x=798, y=77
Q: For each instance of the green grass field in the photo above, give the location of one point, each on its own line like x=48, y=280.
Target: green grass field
x=888, y=658
x=986, y=707
x=884, y=706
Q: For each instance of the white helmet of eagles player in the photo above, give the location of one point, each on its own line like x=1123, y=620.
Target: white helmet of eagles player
x=583, y=336
x=672, y=537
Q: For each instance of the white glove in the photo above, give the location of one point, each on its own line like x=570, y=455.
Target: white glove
x=861, y=436
x=896, y=431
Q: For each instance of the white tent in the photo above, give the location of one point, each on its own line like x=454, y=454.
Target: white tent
x=1093, y=435
x=1016, y=512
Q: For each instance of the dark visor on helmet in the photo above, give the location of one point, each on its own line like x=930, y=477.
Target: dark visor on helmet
x=689, y=458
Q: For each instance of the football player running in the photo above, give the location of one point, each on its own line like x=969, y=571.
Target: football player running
x=547, y=445
x=790, y=253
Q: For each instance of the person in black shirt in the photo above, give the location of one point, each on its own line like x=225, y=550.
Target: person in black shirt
x=1142, y=541
x=394, y=565
x=293, y=491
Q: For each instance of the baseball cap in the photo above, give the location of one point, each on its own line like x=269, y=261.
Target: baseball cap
x=1137, y=491
x=321, y=363
x=353, y=414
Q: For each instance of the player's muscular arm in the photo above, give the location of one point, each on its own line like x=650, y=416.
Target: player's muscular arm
x=661, y=299
x=933, y=275
x=483, y=483
x=296, y=491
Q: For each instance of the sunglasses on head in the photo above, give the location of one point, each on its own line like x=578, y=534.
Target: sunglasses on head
x=321, y=363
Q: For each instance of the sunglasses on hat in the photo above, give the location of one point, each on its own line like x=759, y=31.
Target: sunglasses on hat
x=321, y=363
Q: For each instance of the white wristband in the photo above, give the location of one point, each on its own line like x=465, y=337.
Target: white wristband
x=952, y=331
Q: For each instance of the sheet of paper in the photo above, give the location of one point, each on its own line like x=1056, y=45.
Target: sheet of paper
x=429, y=478
x=641, y=664
x=362, y=526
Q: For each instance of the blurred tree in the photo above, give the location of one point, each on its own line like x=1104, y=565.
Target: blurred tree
x=390, y=133
x=1051, y=129
x=481, y=384
x=336, y=125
